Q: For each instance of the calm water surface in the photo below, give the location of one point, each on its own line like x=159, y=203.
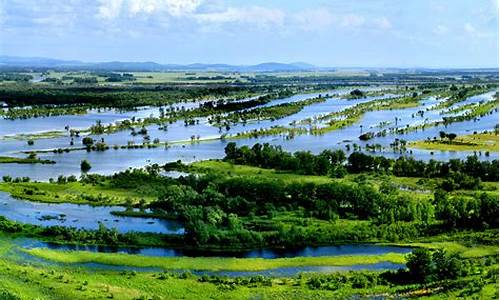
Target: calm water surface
x=80, y=216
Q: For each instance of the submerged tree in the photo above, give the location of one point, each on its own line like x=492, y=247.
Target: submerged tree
x=85, y=166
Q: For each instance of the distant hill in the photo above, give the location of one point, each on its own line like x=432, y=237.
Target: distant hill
x=36, y=62
x=10, y=62
x=41, y=63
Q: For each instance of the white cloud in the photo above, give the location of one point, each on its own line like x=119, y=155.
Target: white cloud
x=181, y=7
x=475, y=33
x=469, y=28
x=352, y=20
x=142, y=6
x=213, y=17
x=257, y=15
x=323, y=19
x=441, y=29
x=314, y=19
x=111, y=9
x=383, y=23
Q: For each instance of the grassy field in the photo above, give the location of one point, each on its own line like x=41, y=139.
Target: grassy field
x=78, y=283
x=229, y=169
x=414, y=185
x=73, y=192
x=31, y=282
x=156, y=77
x=470, y=142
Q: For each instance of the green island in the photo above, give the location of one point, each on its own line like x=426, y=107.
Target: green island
x=470, y=142
x=271, y=112
x=24, y=160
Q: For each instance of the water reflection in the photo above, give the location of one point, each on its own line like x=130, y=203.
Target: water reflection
x=269, y=253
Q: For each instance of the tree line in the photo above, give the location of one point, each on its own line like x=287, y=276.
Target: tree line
x=335, y=163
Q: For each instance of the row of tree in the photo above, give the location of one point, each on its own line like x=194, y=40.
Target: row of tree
x=335, y=163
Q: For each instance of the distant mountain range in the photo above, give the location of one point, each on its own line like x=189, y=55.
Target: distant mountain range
x=10, y=62
x=41, y=63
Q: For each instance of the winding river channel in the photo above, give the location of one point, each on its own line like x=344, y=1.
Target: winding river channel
x=321, y=251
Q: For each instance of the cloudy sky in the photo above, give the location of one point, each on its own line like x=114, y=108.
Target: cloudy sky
x=389, y=33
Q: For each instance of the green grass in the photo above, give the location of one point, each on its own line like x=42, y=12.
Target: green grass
x=73, y=192
x=470, y=142
x=229, y=169
x=35, y=136
x=210, y=263
x=458, y=247
x=31, y=282
x=24, y=160
x=34, y=280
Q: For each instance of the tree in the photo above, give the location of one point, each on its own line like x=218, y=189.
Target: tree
x=357, y=93
x=230, y=150
x=447, y=266
x=451, y=136
x=87, y=141
x=442, y=135
x=85, y=166
x=420, y=265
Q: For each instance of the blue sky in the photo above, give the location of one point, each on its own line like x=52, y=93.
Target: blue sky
x=370, y=33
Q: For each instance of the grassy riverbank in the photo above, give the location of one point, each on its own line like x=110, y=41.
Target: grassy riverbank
x=35, y=282
x=55, y=281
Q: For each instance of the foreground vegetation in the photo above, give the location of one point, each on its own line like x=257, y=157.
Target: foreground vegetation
x=444, y=273
x=273, y=198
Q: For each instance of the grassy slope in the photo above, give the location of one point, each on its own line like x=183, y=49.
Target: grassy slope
x=470, y=142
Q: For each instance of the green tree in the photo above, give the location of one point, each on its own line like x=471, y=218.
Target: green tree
x=420, y=265
x=85, y=166
x=87, y=141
